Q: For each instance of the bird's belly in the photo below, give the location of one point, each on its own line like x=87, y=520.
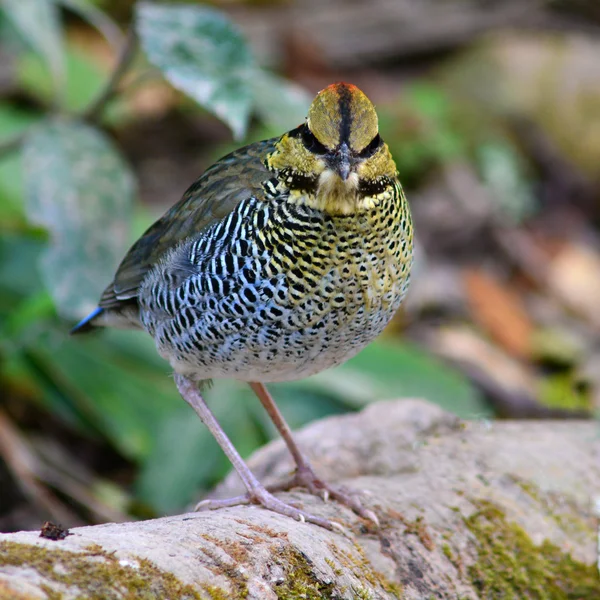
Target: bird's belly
x=280, y=340
x=306, y=293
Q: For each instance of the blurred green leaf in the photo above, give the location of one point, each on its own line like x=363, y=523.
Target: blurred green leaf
x=13, y=121
x=18, y=255
x=113, y=385
x=386, y=370
x=421, y=130
x=564, y=390
x=127, y=398
x=429, y=99
x=186, y=459
x=31, y=309
x=38, y=21
x=81, y=190
x=83, y=82
x=280, y=104
x=183, y=459
x=440, y=141
x=502, y=170
x=201, y=53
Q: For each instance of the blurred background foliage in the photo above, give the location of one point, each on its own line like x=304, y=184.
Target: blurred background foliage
x=109, y=110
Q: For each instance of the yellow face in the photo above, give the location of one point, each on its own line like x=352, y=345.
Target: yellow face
x=336, y=160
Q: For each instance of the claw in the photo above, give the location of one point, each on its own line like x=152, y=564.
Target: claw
x=308, y=480
x=369, y=514
x=337, y=527
x=264, y=498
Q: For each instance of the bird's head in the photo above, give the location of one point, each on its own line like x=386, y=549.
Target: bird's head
x=336, y=160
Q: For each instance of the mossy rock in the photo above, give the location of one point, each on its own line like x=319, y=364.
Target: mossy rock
x=96, y=574
x=510, y=566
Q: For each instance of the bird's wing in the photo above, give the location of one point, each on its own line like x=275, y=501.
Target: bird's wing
x=236, y=177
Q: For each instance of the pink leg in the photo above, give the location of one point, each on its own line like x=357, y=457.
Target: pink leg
x=305, y=476
x=257, y=494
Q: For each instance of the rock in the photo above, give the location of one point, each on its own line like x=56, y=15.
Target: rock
x=467, y=510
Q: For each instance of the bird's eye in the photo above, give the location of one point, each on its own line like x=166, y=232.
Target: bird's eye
x=371, y=148
x=311, y=143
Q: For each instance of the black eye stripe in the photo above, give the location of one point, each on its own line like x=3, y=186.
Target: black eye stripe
x=372, y=147
x=312, y=144
x=309, y=141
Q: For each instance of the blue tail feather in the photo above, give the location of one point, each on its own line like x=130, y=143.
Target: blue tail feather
x=86, y=324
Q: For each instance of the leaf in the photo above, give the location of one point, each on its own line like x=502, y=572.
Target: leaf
x=113, y=384
x=429, y=99
x=574, y=278
x=280, y=104
x=38, y=21
x=201, y=53
x=500, y=311
x=502, y=170
x=84, y=79
x=81, y=190
x=18, y=254
x=184, y=459
x=385, y=370
x=13, y=121
x=562, y=390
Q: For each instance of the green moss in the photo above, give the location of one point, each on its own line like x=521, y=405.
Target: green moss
x=96, y=573
x=335, y=568
x=100, y=576
x=455, y=559
x=50, y=593
x=565, y=391
x=447, y=551
x=300, y=579
x=417, y=527
x=563, y=510
x=360, y=566
x=510, y=566
x=362, y=594
x=216, y=593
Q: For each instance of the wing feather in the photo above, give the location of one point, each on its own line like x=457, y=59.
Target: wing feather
x=236, y=177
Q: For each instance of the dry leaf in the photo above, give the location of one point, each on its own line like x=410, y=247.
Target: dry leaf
x=574, y=277
x=499, y=311
x=460, y=344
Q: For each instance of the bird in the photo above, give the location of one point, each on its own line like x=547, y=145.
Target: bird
x=285, y=258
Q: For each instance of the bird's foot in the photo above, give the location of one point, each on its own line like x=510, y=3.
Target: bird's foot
x=306, y=478
x=267, y=500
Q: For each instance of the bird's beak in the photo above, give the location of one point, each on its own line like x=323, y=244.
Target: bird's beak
x=343, y=164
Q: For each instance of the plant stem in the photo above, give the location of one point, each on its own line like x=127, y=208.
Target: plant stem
x=94, y=110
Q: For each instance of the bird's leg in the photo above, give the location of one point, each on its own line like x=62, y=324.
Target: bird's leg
x=257, y=494
x=305, y=476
